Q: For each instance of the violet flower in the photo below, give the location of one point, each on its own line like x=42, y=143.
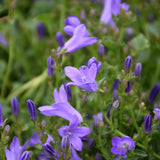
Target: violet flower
x=15, y=106
x=68, y=91
x=128, y=87
x=138, y=69
x=157, y=111
x=116, y=84
x=122, y=145
x=93, y=60
x=15, y=152
x=74, y=155
x=61, y=107
x=111, y=7
x=79, y=39
x=41, y=29
x=48, y=149
x=72, y=134
x=84, y=77
x=71, y=23
x=60, y=39
x=50, y=63
x=101, y=49
x=128, y=63
x=147, y=123
x=1, y=117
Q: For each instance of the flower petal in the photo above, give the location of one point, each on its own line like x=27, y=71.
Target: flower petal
x=76, y=142
x=81, y=131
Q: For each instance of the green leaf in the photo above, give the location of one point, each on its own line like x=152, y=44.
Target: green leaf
x=140, y=153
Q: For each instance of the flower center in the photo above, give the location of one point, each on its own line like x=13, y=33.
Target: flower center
x=124, y=147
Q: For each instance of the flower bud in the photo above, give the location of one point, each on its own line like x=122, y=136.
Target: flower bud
x=108, y=111
x=83, y=15
x=154, y=92
x=32, y=109
x=116, y=84
x=115, y=104
x=15, y=106
x=48, y=149
x=68, y=91
x=25, y=155
x=101, y=49
x=41, y=29
x=128, y=63
x=84, y=98
x=1, y=116
x=60, y=39
x=43, y=124
x=91, y=144
x=138, y=69
x=147, y=123
x=116, y=157
x=7, y=129
x=50, y=63
x=124, y=157
x=98, y=156
x=128, y=87
x=115, y=94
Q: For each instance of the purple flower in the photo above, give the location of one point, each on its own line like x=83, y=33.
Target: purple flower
x=16, y=150
x=71, y=23
x=61, y=107
x=41, y=29
x=154, y=92
x=15, y=106
x=111, y=7
x=98, y=156
x=157, y=111
x=60, y=39
x=3, y=41
x=1, y=117
x=138, y=69
x=128, y=63
x=71, y=135
x=93, y=60
x=116, y=84
x=79, y=39
x=48, y=149
x=128, y=87
x=25, y=155
x=50, y=63
x=32, y=109
x=84, y=77
x=98, y=118
x=74, y=155
x=68, y=91
x=122, y=145
x=147, y=123
x=101, y=49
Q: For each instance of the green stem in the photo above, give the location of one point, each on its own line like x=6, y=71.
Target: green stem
x=35, y=82
x=156, y=155
x=8, y=70
x=63, y=10
x=2, y=149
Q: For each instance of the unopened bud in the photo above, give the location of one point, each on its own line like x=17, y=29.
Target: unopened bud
x=128, y=63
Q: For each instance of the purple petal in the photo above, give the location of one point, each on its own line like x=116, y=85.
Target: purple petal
x=81, y=131
x=69, y=30
x=76, y=142
x=115, y=140
x=74, y=155
x=157, y=111
x=15, y=145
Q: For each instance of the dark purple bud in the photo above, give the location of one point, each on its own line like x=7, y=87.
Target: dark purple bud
x=48, y=149
x=128, y=87
x=3, y=41
x=41, y=29
x=116, y=84
x=150, y=17
x=115, y=94
x=101, y=49
x=91, y=144
x=98, y=156
x=1, y=116
x=25, y=155
x=128, y=63
x=138, y=69
x=50, y=63
x=68, y=91
x=124, y=157
x=85, y=138
x=15, y=106
x=154, y=92
x=108, y=111
x=129, y=33
x=60, y=39
x=32, y=109
x=43, y=156
x=147, y=123
x=116, y=157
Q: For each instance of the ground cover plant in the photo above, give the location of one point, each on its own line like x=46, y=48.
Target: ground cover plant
x=79, y=79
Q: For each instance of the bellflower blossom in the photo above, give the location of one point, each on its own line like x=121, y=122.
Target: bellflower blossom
x=61, y=107
x=15, y=152
x=122, y=145
x=157, y=111
x=112, y=7
x=71, y=23
x=74, y=155
x=79, y=39
x=84, y=77
x=71, y=135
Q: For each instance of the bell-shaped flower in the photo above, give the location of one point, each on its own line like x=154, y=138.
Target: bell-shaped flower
x=157, y=111
x=15, y=152
x=79, y=39
x=74, y=155
x=72, y=134
x=61, y=107
x=84, y=77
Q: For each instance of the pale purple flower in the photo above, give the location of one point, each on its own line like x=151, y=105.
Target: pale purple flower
x=122, y=145
x=15, y=152
x=71, y=23
x=98, y=118
x=84, y=77
x=72, y=134
x=93, y=60
x=74, y=155
x=79, y=39
x=50, y=64
x=1, y=116
x=111, y=7
x=3, y=41
x=157, y=111
x=61, y=107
